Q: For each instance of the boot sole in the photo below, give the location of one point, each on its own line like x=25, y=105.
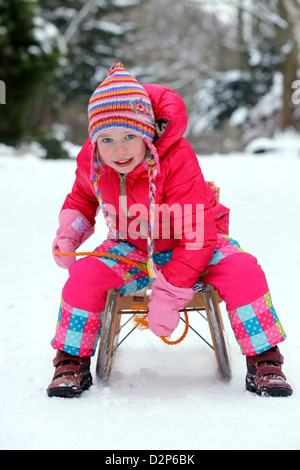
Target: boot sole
x=70, y=392
x=269, y=392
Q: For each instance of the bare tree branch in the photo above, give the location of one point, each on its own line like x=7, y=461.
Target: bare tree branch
x=259, y=10
x=79, y=18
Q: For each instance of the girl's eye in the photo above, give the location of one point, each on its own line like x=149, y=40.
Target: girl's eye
x=130, y=136
x=106, y=140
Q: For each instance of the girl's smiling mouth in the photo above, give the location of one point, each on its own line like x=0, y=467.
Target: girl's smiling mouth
x=124, y=162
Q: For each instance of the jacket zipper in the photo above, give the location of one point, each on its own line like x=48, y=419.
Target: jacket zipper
x=123, y=196
x=123, y=200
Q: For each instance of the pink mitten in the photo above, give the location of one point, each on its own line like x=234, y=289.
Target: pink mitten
x=73, y=230
x=165, y=301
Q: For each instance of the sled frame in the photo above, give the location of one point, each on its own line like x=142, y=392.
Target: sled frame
x=207, y=301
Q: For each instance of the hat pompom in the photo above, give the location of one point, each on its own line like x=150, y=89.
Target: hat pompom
x=115, y=67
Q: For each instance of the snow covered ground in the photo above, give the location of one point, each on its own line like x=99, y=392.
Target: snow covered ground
x=158, y=396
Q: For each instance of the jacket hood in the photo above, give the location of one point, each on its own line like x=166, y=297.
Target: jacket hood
x=167, y=106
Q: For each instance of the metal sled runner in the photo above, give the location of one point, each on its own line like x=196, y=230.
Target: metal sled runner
x=207, y=301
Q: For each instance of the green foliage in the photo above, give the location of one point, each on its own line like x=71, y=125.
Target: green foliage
x=53, y=147
x=29, y=53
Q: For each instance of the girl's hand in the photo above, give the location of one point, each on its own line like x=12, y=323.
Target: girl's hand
x=64, y=245
x=73, y=230
x=165, y=301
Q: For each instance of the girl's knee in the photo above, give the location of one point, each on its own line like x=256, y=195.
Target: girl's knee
x=88, y=284
x=91, y=270
x=238, y=278
x=240, y=263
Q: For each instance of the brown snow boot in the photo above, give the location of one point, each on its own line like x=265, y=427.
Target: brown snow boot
x=264, y=374
x=72, y=375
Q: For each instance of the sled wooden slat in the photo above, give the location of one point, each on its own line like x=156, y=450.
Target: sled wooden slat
x=129, y=301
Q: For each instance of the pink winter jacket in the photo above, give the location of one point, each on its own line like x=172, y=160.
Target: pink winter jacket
x=188, y=217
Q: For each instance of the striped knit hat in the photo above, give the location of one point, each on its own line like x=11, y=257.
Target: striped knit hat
x=121, y=103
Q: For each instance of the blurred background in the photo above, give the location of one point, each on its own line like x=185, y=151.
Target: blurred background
x=235, y=63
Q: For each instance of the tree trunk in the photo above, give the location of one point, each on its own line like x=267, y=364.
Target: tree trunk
x=288, y=47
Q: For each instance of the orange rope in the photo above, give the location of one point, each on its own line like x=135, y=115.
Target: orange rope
x=104, y=254
x=140, y=321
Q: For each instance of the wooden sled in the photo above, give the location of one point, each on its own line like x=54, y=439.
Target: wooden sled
x=207, y=301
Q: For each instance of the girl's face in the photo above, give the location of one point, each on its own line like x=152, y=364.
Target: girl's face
x=121, y=150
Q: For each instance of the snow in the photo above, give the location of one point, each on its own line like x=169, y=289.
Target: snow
x=46, y=34
x=270, y=102
x=158, y=396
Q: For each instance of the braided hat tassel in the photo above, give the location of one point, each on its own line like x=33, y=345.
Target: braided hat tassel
x=151, y=165
x=112, y=231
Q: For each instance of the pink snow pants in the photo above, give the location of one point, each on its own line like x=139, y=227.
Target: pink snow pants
x=236, y=275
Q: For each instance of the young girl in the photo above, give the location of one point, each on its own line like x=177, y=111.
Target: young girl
x=137, y=167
